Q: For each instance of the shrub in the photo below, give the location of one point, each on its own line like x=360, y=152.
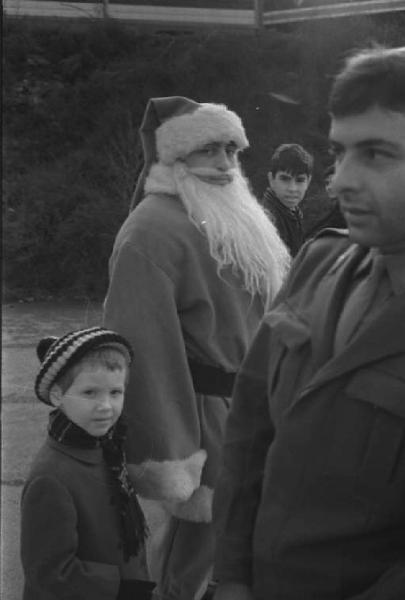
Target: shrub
x=74, y=96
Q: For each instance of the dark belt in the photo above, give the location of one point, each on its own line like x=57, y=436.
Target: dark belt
x=211, y=380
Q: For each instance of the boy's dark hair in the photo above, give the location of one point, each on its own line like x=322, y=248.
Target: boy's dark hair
x=371, y=77
x=291, y=158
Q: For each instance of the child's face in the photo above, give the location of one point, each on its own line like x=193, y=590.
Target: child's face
x=290, y=189
x=94, y=400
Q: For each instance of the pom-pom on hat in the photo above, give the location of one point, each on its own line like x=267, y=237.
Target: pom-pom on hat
x=173, y=127
x=59, y=354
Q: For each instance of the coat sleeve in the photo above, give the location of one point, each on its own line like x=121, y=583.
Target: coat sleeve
x=163, y=446
x=49, y=545
x=248, y=436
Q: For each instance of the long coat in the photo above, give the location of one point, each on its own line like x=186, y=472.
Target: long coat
x=311, y=501
x=71, y=546
x=167, y=297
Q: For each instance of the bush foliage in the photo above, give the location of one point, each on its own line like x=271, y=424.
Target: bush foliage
x=73, y=99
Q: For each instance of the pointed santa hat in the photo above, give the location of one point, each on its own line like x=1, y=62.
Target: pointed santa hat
x=173, y=127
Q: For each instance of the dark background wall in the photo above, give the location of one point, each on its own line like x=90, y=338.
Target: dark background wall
x=73, y=99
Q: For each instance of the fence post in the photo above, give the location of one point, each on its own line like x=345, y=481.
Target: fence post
x=258, y=6
x=105, y=9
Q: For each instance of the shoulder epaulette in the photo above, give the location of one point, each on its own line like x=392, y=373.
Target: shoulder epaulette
x=331, y=231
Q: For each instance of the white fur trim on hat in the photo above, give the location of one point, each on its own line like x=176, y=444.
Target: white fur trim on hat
x=160, y=180
x=172, y=480
x=179, y=136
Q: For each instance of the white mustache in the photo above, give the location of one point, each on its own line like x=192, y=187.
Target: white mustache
x=210, y=172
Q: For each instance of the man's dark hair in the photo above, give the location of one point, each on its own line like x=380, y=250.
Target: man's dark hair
x=371, y=77
x=293, y=159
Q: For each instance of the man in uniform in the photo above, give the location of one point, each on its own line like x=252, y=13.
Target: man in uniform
x=310, y=503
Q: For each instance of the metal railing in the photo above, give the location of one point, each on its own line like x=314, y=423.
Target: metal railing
x=192, y=17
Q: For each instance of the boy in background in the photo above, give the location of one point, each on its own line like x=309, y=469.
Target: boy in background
x=82, y=530
x=289, y=177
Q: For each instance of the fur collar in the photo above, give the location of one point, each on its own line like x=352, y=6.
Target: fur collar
x=160, y=180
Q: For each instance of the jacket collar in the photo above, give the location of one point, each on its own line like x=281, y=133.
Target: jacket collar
x=384, y=337
x=270, y=197
x=87, y=455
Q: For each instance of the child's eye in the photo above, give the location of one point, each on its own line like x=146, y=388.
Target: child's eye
x=116, y=393
x=89, y=392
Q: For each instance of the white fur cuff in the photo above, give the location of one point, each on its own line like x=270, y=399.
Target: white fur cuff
x=198, y=508
x=171, y=480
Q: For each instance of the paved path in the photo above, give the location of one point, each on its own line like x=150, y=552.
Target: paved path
x=23, y=417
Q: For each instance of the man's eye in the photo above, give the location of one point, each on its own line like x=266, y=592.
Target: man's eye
x=372, y=154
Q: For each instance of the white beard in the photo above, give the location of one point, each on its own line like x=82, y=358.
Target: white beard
x=240, y=234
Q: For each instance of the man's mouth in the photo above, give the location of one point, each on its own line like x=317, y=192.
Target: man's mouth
x=355, y=211
x=222, y=179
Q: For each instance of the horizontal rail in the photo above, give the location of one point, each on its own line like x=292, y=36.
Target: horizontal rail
x=329, y=11
x=193, y=17
x=142, y=14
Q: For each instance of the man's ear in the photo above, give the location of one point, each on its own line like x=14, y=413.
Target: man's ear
x=56, y=395
x=270, y=178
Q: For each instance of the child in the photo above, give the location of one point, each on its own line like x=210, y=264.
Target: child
x=82, y=530
x=289, y=177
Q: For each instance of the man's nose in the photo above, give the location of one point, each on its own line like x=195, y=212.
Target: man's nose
x=346, y=176
x=223, y=161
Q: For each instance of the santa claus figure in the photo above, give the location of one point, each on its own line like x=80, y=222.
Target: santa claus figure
x=192, y=271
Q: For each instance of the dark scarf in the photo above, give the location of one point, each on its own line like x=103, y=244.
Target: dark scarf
x=63, y=430
x=288, y=221
x=269, y=198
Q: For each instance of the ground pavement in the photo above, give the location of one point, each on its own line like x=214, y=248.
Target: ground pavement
x=23, y=417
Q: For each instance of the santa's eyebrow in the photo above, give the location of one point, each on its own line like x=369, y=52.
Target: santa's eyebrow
x=210, y=145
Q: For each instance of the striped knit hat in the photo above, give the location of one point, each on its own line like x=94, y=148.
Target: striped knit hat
x=57, y=355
